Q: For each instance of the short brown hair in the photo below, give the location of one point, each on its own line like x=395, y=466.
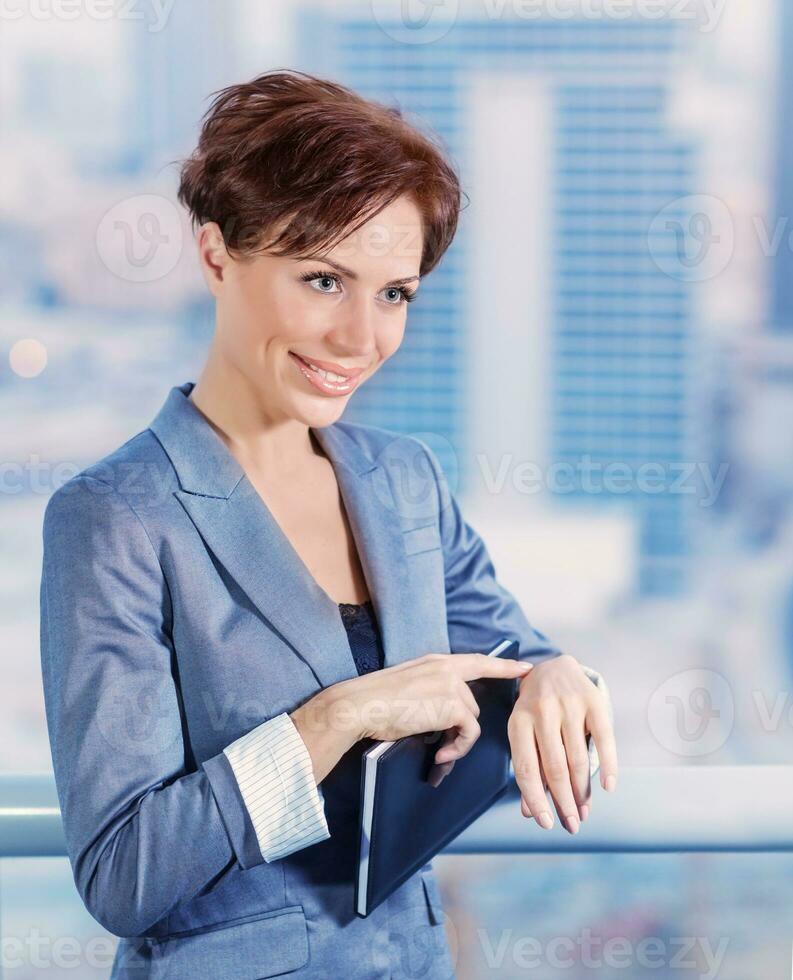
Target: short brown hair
x=313, y=160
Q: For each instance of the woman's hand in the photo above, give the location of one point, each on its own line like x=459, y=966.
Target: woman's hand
x=426, y=694
x=557, y=705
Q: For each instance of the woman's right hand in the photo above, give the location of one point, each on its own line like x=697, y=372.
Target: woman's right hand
x=426, y=694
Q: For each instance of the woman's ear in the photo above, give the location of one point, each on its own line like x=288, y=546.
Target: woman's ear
x=213, y=255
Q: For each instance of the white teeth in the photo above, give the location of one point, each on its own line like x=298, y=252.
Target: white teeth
x=328, y=375
x=337, y=380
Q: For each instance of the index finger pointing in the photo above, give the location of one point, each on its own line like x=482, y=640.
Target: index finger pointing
x=470, y=666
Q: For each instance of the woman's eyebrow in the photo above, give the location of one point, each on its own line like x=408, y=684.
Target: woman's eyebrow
x=354, y=275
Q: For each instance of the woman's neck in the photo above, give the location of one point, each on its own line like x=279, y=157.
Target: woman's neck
x=258, y=442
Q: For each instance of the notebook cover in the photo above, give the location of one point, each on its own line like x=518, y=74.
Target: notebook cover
x=411, y=820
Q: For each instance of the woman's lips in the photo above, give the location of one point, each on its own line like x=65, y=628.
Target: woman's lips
x=330, y=366
x=323, y=386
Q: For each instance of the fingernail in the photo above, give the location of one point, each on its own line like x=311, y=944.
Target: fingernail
x=545, y=820
x=583, y=812
x=525, y=666
x=572, y=823
x=611, y=782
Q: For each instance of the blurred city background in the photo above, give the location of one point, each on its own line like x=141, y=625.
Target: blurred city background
x=603, y=361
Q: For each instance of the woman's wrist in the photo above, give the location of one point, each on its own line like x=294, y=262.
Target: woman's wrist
x=329, y=725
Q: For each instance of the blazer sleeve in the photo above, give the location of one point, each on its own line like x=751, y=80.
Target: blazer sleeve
x=479, y=610
x=146, y=829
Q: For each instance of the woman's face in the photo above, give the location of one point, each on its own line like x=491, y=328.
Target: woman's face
x=344, y=311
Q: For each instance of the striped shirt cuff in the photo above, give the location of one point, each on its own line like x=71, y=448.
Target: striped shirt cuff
x=273, y=769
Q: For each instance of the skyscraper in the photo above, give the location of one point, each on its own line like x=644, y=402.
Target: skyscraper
x=174, y=68
x=611, y=329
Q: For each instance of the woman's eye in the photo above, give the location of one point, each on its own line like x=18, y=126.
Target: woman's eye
x=324, y=281
x=393, y=295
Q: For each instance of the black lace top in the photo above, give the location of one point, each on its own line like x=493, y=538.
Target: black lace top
x=363, y=633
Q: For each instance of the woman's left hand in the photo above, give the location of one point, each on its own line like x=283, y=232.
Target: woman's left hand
x=556, y=707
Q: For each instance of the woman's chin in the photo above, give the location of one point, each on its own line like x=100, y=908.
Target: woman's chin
x=319, y=411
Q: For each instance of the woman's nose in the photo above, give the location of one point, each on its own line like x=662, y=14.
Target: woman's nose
x=355, y=330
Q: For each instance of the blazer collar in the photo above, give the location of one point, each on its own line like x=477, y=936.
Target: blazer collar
x=244, y=536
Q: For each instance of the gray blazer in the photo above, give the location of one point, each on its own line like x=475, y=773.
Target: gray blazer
x=176, y=617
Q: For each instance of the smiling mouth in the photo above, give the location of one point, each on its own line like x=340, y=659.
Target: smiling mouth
x=338, y=377
x=327, y=382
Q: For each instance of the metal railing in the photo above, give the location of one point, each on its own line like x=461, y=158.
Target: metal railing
x=654, y=810
x=726, y=809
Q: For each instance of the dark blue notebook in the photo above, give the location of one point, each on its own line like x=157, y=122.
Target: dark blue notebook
x=405, y=820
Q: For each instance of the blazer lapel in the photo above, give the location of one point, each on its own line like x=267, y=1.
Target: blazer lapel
x=241, y=532
x=378, y=537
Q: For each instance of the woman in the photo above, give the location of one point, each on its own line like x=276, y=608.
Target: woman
x=241, y=594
